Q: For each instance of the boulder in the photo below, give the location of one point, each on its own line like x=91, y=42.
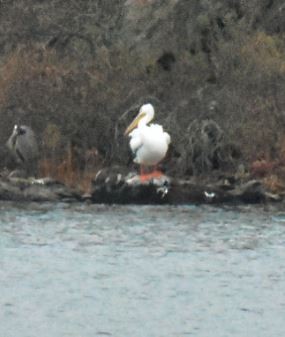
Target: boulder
x=46, y=189
x=113, y=187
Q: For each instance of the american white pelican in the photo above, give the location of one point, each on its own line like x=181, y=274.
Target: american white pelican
x=149, y=143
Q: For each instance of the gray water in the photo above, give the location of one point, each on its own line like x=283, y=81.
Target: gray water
x=128, y=271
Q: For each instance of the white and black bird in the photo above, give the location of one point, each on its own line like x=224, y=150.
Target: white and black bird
x=149, y=143
x=24, y=148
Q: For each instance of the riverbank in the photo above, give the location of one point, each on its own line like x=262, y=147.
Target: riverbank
x=118, y=186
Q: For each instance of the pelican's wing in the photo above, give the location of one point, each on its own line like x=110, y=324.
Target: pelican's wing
x=167, y=138
x=135, y=141
x=158, y=129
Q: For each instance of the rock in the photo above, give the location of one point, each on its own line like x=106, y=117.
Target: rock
x=18, y=173
x=116, y=188
x=249, y=192
x=273, y=197
x=115, y=185
x=19, y=189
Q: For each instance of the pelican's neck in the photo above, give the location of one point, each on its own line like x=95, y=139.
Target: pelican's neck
x=144, y=121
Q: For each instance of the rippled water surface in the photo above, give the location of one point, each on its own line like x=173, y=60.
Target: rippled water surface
x=129, y=271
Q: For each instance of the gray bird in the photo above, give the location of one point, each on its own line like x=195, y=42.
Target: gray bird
x=23, y=146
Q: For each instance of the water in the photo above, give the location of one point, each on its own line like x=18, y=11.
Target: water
x=127, y=271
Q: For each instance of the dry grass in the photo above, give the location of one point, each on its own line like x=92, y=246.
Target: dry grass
x=27, y=64
x=271, y=171
x=274, y=183
x=68, y=170
x=265, y=52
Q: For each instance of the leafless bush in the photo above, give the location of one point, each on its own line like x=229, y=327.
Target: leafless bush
x=206, y=148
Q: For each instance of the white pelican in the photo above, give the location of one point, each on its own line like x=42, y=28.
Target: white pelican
x=149, y=143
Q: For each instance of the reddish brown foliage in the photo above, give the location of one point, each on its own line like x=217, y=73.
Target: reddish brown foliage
x=70, y=171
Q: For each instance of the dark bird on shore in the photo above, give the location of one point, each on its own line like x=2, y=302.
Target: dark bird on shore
x=24, y=148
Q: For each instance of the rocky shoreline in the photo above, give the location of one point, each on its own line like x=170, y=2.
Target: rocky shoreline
x=38, y=190
x=120, y=187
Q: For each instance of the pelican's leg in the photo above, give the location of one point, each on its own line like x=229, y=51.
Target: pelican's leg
x=143, y=175
x=156, y=173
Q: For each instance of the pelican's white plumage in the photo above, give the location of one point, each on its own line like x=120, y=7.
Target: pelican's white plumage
x=149, y=143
